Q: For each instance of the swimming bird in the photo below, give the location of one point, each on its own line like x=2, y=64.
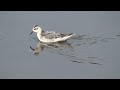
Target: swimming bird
x=50, y=36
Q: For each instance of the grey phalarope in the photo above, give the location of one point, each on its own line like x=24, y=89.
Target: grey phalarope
x=50, y=36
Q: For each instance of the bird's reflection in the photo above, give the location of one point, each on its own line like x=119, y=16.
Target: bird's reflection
x=40, y=46
x=62, y=48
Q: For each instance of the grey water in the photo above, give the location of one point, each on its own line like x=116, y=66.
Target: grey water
x=94, y=53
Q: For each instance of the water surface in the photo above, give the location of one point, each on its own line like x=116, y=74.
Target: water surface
x=93, y=53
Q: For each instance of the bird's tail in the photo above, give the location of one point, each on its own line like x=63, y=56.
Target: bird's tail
x=67, y=37
x=71, y=34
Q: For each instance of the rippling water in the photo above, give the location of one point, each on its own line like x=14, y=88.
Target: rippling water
x=69, y=49
x=92, y=53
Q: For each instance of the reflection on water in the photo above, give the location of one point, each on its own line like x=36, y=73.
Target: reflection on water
x=68, y=49
x=60, y=46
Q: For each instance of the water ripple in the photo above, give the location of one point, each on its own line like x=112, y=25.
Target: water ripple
x=68, y=49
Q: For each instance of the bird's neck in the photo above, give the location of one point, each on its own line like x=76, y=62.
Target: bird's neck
x=39, y=35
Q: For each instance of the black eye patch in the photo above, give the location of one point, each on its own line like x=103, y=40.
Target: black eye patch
x=35, y=28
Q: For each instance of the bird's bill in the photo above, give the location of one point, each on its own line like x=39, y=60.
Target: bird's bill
x=31, y=33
